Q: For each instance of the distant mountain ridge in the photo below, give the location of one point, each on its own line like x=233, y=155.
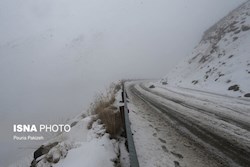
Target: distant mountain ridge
x=220, y=63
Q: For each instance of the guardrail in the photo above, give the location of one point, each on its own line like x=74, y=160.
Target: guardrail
x=126, y=124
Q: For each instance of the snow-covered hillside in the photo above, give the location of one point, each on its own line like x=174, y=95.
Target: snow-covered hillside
x=220, y=63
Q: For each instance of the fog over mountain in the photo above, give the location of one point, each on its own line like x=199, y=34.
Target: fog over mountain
x=220, y=62
x=55, y=55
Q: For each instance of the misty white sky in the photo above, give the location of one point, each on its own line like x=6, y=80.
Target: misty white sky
x=55, y=55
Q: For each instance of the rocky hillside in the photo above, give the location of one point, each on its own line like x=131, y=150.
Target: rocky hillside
x=220, y=63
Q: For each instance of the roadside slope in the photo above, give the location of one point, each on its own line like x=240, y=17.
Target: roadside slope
x=220, y=62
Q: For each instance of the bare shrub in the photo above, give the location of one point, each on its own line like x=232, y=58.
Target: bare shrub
x=107, y=112
x=101, y=102
x=112, y=121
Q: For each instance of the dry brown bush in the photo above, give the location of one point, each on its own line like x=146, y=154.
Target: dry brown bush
x=107, y=112
x=112, y=120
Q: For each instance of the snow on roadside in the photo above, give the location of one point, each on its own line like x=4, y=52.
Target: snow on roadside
x=218, y=103
x=157, y=142
x=148, y=147
x=97, y=150
x=207, y=119
x=83, y=146
x=80, y=147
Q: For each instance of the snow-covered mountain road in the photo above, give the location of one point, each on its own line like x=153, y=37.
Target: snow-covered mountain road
x=216, y=127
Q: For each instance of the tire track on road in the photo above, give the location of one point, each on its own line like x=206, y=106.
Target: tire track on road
x=224, y=117
x=231, y=152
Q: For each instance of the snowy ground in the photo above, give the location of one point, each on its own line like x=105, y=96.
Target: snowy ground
x=83, y=146
x=188, y=128
x=80, y=147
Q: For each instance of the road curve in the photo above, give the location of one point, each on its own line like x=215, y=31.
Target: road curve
x=233, y=149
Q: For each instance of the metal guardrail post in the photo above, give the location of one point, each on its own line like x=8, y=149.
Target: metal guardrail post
x=123, y=119
x=131, y=147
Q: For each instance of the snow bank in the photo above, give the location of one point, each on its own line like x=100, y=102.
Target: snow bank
x=95, y=152
x=79, y=147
